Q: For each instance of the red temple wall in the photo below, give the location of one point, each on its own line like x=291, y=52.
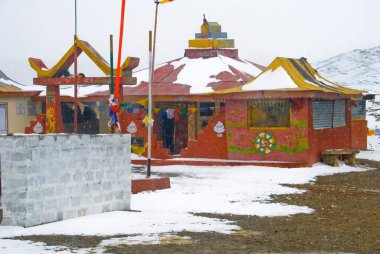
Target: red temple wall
x=347, y=137
x=359, y=134
x=291, y=145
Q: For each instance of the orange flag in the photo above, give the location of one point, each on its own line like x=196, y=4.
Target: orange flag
x=165, y=1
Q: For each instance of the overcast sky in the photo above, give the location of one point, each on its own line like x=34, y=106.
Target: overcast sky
x=262, y=29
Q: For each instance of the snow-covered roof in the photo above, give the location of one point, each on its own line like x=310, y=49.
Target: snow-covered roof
x=185, y=76
x=9, y=85
x=290, y=74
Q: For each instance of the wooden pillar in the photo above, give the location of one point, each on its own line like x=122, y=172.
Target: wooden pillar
x=192, y=123
x=53, y=110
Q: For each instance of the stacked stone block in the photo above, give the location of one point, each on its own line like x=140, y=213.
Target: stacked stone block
x=47, y=178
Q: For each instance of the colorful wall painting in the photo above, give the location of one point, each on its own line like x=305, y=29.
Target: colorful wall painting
x=50, y=119
x=296, y=144
x=277, y=145
x=264, y=143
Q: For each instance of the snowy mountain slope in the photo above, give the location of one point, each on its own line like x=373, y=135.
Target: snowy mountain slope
x=358, y=69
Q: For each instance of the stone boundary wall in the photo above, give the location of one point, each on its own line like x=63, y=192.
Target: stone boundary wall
x=47, y=178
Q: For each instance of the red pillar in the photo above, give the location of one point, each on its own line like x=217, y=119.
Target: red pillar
x=121, y=116
x=53, y=110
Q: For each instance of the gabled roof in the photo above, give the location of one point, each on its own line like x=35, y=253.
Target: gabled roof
x=67, y=60
x=292, y=74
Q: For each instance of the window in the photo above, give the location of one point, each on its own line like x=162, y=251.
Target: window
x=269, y=113
x=329, y=114
x=358, y=109
x=32, y=108
x=207, y=108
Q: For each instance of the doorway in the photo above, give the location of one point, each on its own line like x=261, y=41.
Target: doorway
x=172, y=128
x=3, y=119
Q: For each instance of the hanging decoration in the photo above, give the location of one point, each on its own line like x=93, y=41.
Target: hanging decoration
x=264, y=143
x=219, y=129
x=113, y=123
x=132, y=128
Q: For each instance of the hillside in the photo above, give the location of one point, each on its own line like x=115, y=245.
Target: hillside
x=359, y=69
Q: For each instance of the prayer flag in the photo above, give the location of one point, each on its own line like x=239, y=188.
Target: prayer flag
x=165, y=1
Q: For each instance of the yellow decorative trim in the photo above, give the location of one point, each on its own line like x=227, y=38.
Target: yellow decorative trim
x=193, y=110
x=67, y=60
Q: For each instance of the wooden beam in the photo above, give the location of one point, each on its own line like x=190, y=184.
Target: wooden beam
x=82, y=81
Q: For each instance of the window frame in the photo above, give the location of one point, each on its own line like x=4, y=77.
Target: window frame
x=364, y=113
x=249, y=106
x=333, y=115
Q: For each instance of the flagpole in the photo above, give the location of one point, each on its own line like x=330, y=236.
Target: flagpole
x=75, y=74
x=152, y=57
x=148, y=174
x=154, y=38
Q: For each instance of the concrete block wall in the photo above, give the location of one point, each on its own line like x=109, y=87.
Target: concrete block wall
x=47, y=178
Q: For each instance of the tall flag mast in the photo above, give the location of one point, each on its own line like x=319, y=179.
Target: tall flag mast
x=75, y=74
x=152, y=57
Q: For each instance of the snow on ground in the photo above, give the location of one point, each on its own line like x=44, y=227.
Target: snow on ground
x=369, y=155
x=373, y=123
x=243, y=190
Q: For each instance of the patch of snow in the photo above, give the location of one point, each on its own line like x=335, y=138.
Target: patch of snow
x=370, y=155
x=242, y=65
x=22, y=87
x=271, y=80
x=83, y=90
x=22, y=247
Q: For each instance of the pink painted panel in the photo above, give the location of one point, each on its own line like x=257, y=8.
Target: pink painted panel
x=289, y=145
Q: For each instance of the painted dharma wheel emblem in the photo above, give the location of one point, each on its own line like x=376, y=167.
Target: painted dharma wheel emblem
x=264, y=143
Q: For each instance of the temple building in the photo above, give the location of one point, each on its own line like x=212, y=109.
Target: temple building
x=181, y=88
x=211, y=106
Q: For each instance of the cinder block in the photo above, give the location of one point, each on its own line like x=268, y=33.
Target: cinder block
x=96, y=187
x=98, y=198
x=120, y=195
x=66, y=175
x=109, y=196
x=65, y=178
x=69, y=214
x=106, y=208
x=106, y=186
x=51, y=204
